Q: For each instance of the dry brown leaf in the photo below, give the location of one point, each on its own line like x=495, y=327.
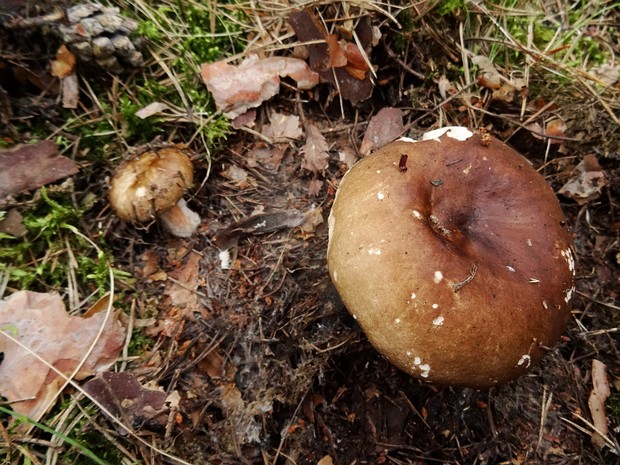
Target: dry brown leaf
x=314, y=187
x=64, y=64
x=181, y=293
x=236, y=89
x=312, y=218
x=487, y=73
x=327, y=460
x=27, y=167
x=40, y=322
x=586, y=183
x=124, y=397
x=314, y=150
x=596, y=402
x=151, y=109
x=382, y=129
x=351, y=81
x=268, y=157
x=282, y=128
x=70, y=91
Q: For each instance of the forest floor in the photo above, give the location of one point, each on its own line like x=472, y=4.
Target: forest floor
x=259, y=360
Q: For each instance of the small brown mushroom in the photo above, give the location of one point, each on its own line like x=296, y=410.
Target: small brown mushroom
x=459, y=269
x=152, y=185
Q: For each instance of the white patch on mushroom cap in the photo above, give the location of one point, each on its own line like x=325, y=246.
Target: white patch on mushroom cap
x=455, y=132
x=569, y=294
x=417, y=361
x=380, y=195
x=426, y=369
x=529, y=242
x=141, y=191
x=413, y=295
x=435, y=306
x=525, y=360
x=374, y=251
x=570, y=259
x=439, y=320
x=510, y=268
x=417, y=215
x=438, y=277
x=407, y=139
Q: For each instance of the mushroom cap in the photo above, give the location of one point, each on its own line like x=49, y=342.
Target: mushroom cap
x=151, y=183
x=454, y=260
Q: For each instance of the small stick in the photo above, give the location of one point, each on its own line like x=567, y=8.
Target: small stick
x=472, y=274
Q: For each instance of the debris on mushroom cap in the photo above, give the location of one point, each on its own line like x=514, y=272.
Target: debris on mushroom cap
x=151, y=184
x=458, y=269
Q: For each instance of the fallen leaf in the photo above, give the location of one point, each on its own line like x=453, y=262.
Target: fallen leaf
x=236, y=89
x=40, y=323
x=312, y=218
x=268, y=157
x=12, y=224
x=182, y=287
x=327, y=460
x=352, y=81
x=64, y=64
x=314, y=187
x=282, y=128
x=382, y=129
x=27, y=167
x=314, y=150
x=127, y=400
x=70, y=91
x=151, y=109
x=487, y=73
x=596, y=402
x=586, y=183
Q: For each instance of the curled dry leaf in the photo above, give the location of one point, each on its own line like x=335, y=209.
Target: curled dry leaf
x=338, y=62
x=382, y=129
x=236, y=89
x=282, y=128
x=64, y=64
x=487, y=73
x=314, y=150
x=596, y=402
x=586, y=183
x=40, y=323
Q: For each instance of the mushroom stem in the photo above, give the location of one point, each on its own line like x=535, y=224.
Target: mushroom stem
x=180, y=220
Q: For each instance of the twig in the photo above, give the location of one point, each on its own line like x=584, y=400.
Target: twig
x=472, y=273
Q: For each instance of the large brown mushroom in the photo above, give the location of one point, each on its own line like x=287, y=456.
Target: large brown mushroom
x=152, y=186
x=452, y=255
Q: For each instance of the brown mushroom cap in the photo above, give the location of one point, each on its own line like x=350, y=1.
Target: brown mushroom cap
x=452, y=255
x=151, y=183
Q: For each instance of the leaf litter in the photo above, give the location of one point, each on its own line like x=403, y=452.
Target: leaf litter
x=43, y=328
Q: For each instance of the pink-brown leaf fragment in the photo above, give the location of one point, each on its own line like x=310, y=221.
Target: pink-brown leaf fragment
x=27, y=167
x=586, y=183
x=125, y=398
x=314, y=150
x=236, y=89
x=40, y=322
x=382, y=129
x=282, y=128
